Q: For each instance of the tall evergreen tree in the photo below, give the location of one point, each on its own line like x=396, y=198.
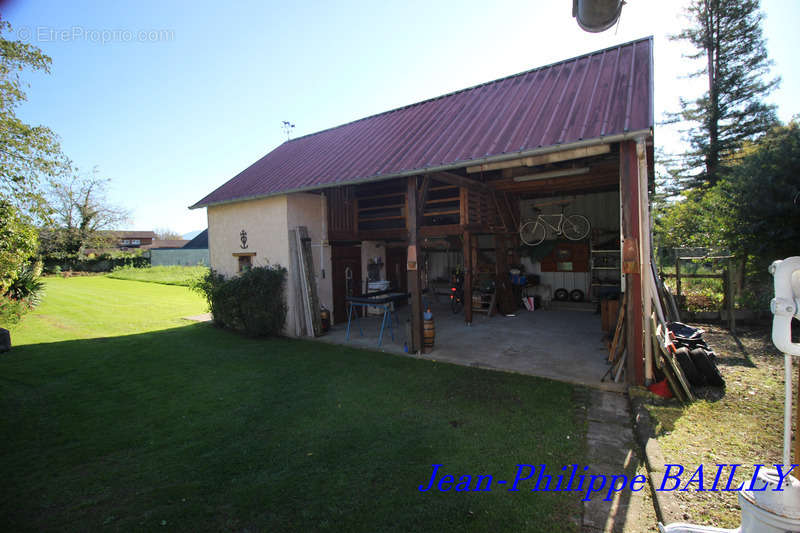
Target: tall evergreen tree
x=727, y=37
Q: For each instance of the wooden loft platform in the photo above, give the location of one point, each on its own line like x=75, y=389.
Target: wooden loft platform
x=482, y=199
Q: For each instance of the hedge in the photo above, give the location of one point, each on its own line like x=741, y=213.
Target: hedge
x=252, y=302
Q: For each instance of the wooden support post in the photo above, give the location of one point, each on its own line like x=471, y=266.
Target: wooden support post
x=632, y=238
x=468, y=266
x=646, y=267
x=414, y=285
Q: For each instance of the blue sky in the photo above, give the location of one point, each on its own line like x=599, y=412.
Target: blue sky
x=184, y=95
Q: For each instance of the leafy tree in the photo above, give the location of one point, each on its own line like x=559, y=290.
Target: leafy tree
x=17, y=243
x=80, y=212
x=727, y=37
x=690, y=222
x=27, y=153
x=754, y=211
x=759, y=215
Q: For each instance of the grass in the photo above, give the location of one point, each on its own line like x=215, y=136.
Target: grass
x=742, y=424
x=119, y=415
x=168, y=275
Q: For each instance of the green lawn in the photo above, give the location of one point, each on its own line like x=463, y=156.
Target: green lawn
x=168, y=275
x=117, y=414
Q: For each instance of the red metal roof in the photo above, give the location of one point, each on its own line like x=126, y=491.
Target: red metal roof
x=602, y=94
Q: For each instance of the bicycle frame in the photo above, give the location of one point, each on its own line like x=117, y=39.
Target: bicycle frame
x=558, y=229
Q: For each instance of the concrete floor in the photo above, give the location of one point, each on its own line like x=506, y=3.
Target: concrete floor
x=564, y=345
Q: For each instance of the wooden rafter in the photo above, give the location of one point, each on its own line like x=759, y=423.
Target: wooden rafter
x=544, y=159
x=460, y=181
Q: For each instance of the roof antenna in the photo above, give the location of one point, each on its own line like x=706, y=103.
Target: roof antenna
x=287, y=129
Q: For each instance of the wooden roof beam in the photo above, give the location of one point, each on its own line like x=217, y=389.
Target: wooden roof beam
x=460, y=181
x=544, y=159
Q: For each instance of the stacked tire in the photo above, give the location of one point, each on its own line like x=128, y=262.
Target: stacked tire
x=695, y=357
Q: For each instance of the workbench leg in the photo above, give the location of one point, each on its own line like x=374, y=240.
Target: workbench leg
x=349, y=318
x=383, y=325
x=391, y=328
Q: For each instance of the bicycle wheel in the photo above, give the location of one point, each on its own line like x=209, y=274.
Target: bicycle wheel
x=532, y=233
x=576, y=227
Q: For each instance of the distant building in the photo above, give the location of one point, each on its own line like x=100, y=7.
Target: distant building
x=190, y=253
x=165, y=243
x=199, y=242
x=125, y=239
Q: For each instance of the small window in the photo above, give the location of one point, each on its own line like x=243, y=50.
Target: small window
x=126, y=241
x=136, y=241
x=245, y=263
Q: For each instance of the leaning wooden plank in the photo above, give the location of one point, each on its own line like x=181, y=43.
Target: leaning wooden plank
x=667, y=363
x=311, y=285
x=621, y=366
x=677, y=372
x=622, y=344
x=675, y=312
x=303, y=286
x=676, y=388
x=681, y=378
x=304, y=298
x=655, y=339
x=298, y=307
x=612, y=353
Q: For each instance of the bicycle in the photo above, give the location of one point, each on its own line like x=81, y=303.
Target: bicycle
x=573, y=227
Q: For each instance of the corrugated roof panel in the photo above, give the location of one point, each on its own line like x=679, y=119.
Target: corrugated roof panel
x=597, y=95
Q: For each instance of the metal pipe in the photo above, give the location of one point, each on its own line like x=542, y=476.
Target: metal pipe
x=787, y=411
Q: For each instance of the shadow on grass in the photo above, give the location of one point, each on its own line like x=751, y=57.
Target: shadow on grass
x=196, y=428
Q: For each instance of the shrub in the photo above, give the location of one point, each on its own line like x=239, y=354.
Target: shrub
x=103, y=262
x=252, y=302
x=27, y=286
x=11, y=310
x=18, y=242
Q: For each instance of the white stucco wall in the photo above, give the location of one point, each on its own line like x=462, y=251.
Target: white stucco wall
x=267, y=223
x=264, y=221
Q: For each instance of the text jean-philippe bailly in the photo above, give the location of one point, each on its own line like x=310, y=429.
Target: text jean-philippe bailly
x=533, y=478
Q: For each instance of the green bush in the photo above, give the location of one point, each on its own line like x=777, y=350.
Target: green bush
x=103, y=262
x=12, y=311
x=18, y=243
x=27, y=286
x=252, y=302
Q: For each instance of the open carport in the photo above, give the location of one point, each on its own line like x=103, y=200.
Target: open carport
x=561, y=344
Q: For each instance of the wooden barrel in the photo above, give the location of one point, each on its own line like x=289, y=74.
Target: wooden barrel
x=428, y=335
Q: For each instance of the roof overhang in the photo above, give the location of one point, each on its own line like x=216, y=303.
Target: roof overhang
x=628, y=136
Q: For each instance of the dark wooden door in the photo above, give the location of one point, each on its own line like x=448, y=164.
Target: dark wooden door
x=396, y=267
x=346, y=266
